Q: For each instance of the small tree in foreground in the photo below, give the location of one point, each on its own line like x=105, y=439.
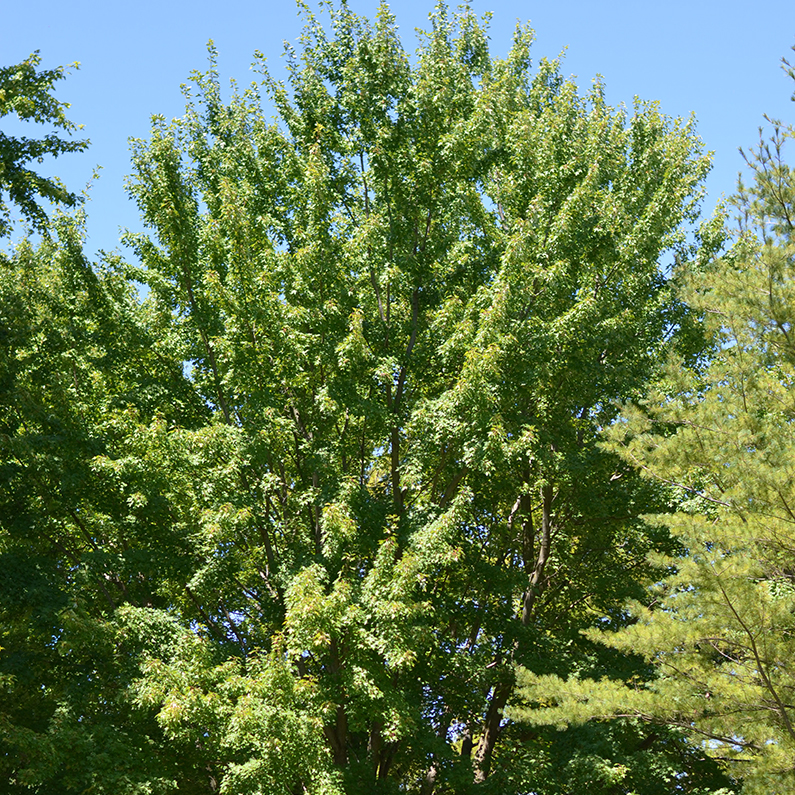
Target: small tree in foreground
x=339, y=473
x=721, y=629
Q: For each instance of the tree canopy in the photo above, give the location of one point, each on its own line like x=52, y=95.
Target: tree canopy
x=290, y=522
x=719, y=628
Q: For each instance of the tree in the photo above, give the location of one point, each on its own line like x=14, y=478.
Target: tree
x=28, y=93
x=719, y=628
x=76, y=368
x=340, y=472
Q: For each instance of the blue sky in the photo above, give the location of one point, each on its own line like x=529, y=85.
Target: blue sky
x=719, y=60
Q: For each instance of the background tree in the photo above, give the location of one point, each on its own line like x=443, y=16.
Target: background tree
x=339, y=473
x=27, y=93
x=77, y=371
x=720, y=628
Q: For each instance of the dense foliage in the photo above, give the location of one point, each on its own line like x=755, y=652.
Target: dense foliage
x=720, y=628
x=291, y=522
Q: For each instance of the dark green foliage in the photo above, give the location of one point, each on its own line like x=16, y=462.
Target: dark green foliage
x=76, y=367
x=605, y=758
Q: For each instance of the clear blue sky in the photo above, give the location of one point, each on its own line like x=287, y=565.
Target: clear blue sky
x=719, y=60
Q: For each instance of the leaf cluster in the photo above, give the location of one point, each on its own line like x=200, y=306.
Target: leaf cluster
x=27, y=93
